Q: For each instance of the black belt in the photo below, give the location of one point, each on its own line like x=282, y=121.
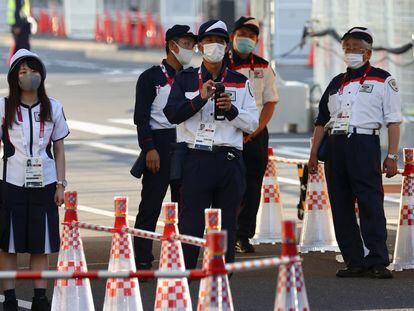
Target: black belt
x=231, y=151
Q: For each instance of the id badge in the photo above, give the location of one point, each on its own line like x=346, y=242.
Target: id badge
x=341, y=124
x=204, y=138
x=34, y=173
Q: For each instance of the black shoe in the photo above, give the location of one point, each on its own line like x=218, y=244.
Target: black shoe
x=351, y=272
x=243, y=246
x=40, y=304
x=10, y=305
x=379, y=272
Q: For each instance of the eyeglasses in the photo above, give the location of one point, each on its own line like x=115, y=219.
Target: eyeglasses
x=186, y=43
x=355, y=50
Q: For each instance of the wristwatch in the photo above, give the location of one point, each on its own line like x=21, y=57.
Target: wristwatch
x=63, y=183
x=392, y=156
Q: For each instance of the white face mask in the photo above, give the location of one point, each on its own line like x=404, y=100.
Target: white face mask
x=214, y=52
x=353, y=60
x=184, y=56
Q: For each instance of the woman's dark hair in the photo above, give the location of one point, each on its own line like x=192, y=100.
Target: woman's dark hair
x=14, y=99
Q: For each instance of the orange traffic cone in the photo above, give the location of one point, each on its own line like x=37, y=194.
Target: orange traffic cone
x=291, y=290
x=270, y=211
x=119, y=36
x=71, y=294
x=128, y=29
x=151, y=31
x=212, y=218
x=172, y=294
x=404, y=245
x=217, y=288
x=108, y=33
x=122, y=294
x=99, y=34
x=140, y=31
x=317, y=232
x=62, y=26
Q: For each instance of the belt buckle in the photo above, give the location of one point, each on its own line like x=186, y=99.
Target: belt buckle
x=230, y=156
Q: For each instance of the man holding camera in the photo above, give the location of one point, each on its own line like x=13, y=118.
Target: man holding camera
x=213, y=170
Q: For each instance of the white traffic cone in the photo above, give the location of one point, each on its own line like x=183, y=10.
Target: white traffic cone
x=71, y=294
x=171, y=293
x=217, y=288
x=270, y=216
x=212, y=218
x=404, y=245
x=122, y=294
x=291, y=290
x=317, y=231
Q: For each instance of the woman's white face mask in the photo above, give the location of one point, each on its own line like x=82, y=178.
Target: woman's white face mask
x=214, y=52
x=184, y=56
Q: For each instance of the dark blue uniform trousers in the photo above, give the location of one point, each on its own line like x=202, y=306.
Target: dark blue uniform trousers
x=353, y=171
x=154, y=188
x=255, y=157
x=210, y=179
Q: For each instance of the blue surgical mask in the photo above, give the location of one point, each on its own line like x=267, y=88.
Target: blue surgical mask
x=244, y=45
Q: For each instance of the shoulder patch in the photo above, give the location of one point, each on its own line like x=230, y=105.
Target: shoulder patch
x=393, y=84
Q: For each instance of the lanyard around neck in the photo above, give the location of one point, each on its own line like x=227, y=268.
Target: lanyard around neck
x=361, y=81
x=233, y=66
x=170, y=80
x=200, y=78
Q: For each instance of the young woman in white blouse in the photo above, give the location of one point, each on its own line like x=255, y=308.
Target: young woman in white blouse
x=33, y=173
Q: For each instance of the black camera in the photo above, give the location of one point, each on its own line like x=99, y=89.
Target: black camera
x=218, y=112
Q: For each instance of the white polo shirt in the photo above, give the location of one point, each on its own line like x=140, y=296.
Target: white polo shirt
x=28, y=129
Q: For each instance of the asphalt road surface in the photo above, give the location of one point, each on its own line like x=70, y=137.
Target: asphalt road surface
x=98, y=98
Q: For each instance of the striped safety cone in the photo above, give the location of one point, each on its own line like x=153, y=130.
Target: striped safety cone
x=212, y=218
x=404, y=245
x=122, y=294
x=71, y=294
x=172, y=293
x=217, y=288
x=317, y=232
x=270, y=217
x=291, y=290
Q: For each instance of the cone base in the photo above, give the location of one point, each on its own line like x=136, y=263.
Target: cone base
x=265, y=240
x=306, y=249
x=401, y=266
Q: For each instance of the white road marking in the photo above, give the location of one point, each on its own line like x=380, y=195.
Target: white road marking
x=99, y=129
x=4, y=91
x=77, y=82
x=22, y=303
x=125, y=121
x=287, y=151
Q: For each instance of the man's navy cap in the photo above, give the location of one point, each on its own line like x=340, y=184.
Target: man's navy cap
x=179, y=31
x=359, y=33
x=247, y=22
x=214, y=27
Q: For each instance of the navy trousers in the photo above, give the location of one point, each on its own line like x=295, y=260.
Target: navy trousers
x=353, y=172
x=154, y=188
x=210, y=179
x=255, y=157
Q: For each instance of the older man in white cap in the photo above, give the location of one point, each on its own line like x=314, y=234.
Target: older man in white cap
x=351, y=112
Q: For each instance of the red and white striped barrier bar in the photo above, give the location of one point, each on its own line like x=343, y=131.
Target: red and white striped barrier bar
x=288, y=161
x=142, y=233
x=100, y=274
x=258, y=264
x=187, y=239
x=145, y=274
x=93, y=227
